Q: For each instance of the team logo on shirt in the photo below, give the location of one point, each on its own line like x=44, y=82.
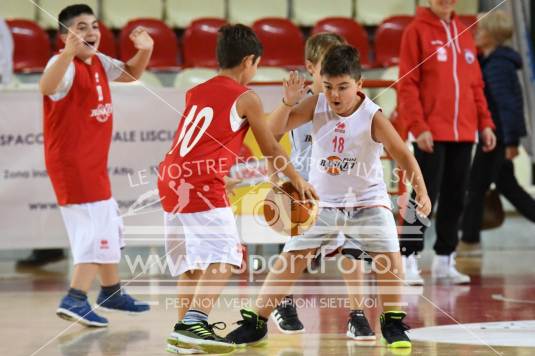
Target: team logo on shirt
x=442, y=54
x=340, y=127
x=335, y=165
x=469, y=56
x=102, y=112
x=104, y=245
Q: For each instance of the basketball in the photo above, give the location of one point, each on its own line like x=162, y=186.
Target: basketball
x=286, y=213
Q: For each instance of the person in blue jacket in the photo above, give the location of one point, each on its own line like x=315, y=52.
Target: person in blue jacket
x=499, y=64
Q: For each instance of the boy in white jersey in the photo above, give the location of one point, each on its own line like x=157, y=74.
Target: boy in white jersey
x=285, y=314
x=348, y=134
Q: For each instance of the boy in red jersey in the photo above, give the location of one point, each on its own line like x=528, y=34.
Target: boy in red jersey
x=77, y=136
x=202, y=241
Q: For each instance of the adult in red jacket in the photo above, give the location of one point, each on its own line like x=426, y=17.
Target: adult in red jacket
x=442, y=103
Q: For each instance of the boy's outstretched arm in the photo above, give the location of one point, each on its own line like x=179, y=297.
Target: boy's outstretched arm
x=292, y=113
x=249, y=106
x=53, y=75
x=384, y=132
x=137, y=64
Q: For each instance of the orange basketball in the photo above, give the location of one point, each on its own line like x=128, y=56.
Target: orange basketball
x=286, y=213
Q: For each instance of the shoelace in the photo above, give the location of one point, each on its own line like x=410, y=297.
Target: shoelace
x=288, y=310
x=396, y=327
x=359, y=319
x=216, y=326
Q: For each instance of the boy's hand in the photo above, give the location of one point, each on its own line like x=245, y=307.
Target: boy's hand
x=73, y=44
x=141, y=39
x=489, y=139
x=230, y=185
x=305, y=189
x=424, y=204
x=294, y=88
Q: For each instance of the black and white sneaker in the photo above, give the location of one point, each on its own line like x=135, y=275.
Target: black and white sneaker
x=198, y=338
x=286, y=318
x=252, y=330
x=358, y=327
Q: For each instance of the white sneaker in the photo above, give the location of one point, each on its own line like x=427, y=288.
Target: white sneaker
x=444, y=269
x=412, y=273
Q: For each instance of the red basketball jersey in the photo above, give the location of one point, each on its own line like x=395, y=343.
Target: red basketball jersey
x=206, y=144
x=77, y=136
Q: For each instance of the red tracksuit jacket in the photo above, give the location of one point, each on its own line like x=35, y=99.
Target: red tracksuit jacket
x=441, y=89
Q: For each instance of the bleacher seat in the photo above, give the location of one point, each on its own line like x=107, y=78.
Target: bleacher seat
x=116, y=13
x=282, y=41
x=107, y=45
x=270, y=74
x=463, y=7
x=32, y=46
x=181, y=13
x=199, y=43
x=387, y=98
x=373, y=12
x=354, y=34
x=48, y=14
x=17, y=9
x=388, y=40
x=248, y=11
x=190, y=77
x=308, y=12
x=164, y=55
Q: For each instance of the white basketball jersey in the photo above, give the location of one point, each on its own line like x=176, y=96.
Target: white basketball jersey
x=346, y=167
x=301, y=140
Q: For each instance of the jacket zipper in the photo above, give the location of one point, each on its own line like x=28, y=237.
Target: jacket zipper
x=453, y=43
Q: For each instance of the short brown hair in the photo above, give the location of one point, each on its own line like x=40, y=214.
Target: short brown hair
x=498, y=24
x=317, y=45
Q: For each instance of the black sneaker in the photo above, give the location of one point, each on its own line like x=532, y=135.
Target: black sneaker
x=393, y=330
x=199, y=337
x=358, y=327
x=252, y=330
x=286, y=318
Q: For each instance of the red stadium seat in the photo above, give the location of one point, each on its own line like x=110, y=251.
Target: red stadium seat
x=32, y=46
x=165, y=51
x=108, y=46
x=388, y=40
x=348, y=28
x=283, y=42
x=199, y=43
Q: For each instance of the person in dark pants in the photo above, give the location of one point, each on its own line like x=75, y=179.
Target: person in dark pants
x=504, y=96
x=441, y=100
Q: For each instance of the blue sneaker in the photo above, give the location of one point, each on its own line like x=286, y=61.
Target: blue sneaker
x=79, y=310
x=121, y=302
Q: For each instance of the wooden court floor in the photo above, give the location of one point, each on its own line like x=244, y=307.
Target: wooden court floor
x=495, y=315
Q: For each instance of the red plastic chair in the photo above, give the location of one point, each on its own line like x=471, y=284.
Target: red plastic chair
x=107, y=45
x=165, y=53
x=283, y=42
x=388, y=40
x=352, y=31
x=32, y=46
x=199, y=43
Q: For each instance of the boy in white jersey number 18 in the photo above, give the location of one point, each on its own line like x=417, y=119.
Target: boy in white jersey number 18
x=285, y=314
x=348, y=135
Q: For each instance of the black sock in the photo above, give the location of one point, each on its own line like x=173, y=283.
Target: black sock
x=356, y=311
x=111, y=290
x=77, y=294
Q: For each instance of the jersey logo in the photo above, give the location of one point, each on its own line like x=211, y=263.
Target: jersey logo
x=469, y=56
x=102, y=112
x=194, y=122
x=335, y=165
x=340, y=127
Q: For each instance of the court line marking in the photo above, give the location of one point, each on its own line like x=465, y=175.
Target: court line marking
x=502, y=298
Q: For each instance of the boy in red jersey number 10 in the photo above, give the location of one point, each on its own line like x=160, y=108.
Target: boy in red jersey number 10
x=77, y=135
x=202, y=241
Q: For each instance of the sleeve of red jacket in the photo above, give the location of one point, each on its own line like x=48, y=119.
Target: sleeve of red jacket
x=410, y=107
x=483, y=114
